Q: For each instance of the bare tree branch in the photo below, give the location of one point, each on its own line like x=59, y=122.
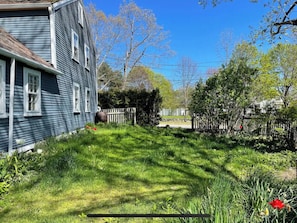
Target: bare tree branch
x=284, y=22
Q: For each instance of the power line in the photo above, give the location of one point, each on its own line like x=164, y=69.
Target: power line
x=177, y=64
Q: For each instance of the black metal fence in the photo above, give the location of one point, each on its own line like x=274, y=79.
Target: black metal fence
x=249, y=125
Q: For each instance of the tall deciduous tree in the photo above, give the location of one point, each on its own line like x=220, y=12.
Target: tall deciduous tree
x=280, y=19
x=278, y=77
x=108, y=79
x=128, y=39
x=246, y=52
x=265, y=85
x=187, y=71
x=139, y=78
x=106, y=31
x=226, y=45
x=142, y=37
x=143, y=78
x=166, y=90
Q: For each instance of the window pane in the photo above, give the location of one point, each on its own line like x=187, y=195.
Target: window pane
x=32, y=100
x=87, y=57
x=75, y=46
x=80, y=14
x=33, y=82
x=75, y=41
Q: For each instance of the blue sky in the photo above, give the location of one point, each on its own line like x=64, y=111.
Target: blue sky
x=196, y=32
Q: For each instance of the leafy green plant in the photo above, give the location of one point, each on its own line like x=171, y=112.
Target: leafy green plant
x=259, y=191
x=14, y=167
x=223, y=201
x=4, y=187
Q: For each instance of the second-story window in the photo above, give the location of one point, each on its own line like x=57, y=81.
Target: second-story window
x=2, y=88
x=75, y=46
x=80, y=14
x=87, y=57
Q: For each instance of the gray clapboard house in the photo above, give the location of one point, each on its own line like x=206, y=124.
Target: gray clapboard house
x=47, y=71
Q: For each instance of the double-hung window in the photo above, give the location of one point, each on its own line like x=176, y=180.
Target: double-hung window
x=80, y=14
x=75, y=46
x=87, y=57
x=32, y=92
x=76, y=98
x=2, y=88
x=87, y=100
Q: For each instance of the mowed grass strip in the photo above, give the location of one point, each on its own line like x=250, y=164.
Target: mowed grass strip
x=126, y=169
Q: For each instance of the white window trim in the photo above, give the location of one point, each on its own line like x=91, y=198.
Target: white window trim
x=3, y=93
x=74, y=98
x=73, y=34
x=80, y=15
x=37, y=112
x=87, y=100
x=87, y=57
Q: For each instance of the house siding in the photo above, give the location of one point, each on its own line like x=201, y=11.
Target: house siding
x=4, y=121
x=57, y=116
x=73, y=71
x=31, y=129
x=32, y=28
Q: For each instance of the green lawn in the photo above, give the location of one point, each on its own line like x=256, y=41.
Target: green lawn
x=126, y=169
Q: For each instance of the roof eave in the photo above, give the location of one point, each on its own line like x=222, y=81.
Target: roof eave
x=27, y=6
x=29, y=62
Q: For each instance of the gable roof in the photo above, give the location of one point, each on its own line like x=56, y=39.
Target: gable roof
x=8, y=5
x=11, y=47
x=25, y=4
x=26, y=1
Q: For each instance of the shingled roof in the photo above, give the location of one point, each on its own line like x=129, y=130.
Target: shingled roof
x=13, y=47
x=27, y=1
x=8, y=5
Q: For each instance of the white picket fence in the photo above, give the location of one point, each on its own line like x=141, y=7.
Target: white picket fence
x=174, y=112
x=121, y=115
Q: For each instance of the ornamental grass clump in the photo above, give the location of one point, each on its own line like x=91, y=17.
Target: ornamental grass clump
x=222, y=200
x=260, y=198
x=270, y=200
x=258, y=192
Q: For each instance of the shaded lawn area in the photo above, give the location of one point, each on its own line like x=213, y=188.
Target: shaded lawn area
x=126, y=169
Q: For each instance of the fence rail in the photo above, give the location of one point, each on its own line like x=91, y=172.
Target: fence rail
x=251, y=125
x=121, y=115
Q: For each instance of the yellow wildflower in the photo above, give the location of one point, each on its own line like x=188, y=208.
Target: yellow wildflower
x=266, y=212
